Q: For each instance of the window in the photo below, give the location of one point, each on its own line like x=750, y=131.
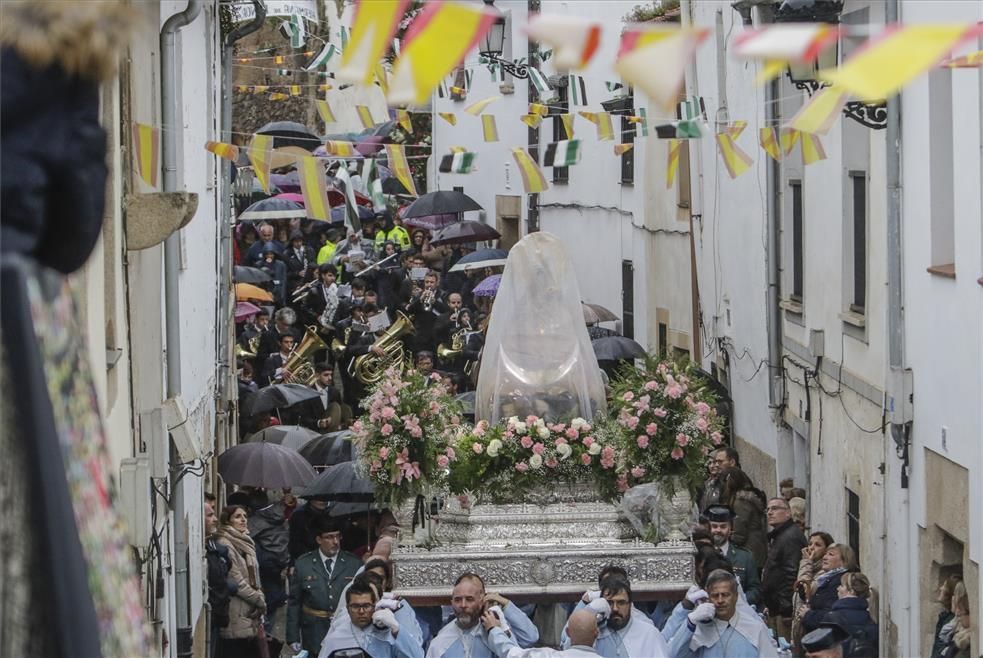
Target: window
x=627, y=299
x=797, y=264
x=561, y=106
x=858, y=186
x=628, y=137
x=853, y=522
x=940, y=155
x=663, y=338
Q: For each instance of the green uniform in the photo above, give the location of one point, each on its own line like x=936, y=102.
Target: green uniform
x=745, y=569
x=314, y=596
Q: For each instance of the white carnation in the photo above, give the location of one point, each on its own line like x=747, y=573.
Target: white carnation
x=578, y=424
x=564, y=450
x=493, y=447
x=543, y=432
x=536, y=461
x=519, y=427
x=595, y=448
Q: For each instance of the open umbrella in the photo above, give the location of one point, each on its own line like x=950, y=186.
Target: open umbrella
x=273, y=208
x=595, y=332
x=442, y=202
x=243, y=274
x=328, y=449
x=431, y=222
x=463, y=232
x=353, y=509
x=249, y=291
x=266, y=465
x=296, y=197
x=594, y=313
x=245, y=310
x=290, y=133
x=481, y=258
x=278, y=396
x=338, y=214
x=289, y=181
x=339, y=482
x=617, y=348
x=488, y=286
x=289, y=436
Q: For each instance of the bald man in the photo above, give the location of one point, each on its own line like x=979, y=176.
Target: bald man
x=581, y=629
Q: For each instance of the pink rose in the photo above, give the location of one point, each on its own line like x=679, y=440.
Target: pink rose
x=559, y=441
x=702, y=408
x=643, y=441
x=677, y=453
x=588, y=441
x=538, y=448
x=651, y=385
x=386, y=429
x=717, y=438
x=585, y=459
x=552, y=463
x=637, y=472
x=526, y=442
x=357, y=426
x=660, y=412
x=607, y=452
x=702, y=424
x=480, y=428
x=443, y=461
x=632, y=422
x=388, y=412
x=383, y=452
x=623, y=483
x=522, y=467
x=572, y=433
x=674, y=391
x=682, y=440
x=531, y=420
x=628, y=396
x=651, y=429
x=478, y=448
x=450, y=453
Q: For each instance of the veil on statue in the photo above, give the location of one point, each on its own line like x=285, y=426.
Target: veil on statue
x=538, y=357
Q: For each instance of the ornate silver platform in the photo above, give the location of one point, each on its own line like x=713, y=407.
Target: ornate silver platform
x=550, y=548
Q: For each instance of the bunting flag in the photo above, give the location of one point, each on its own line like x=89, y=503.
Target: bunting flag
x=296, y=30
x=538, y=108
x=562, y=154
x=533, y=181
x=654, y=59
x=605, y=129
x=621, y=149
x=322, y=57
x=644, y=123
x=812, y=149
x=769, y=142
x=324, y=110
x=970, y=61
x=531, y=120
x=314, y=187
x=489, y=129
x=434, y=45
x=381, y=77
x=449, y=117
x=352, y=220
x=459, y=91
x=295, y=90
x=277, y=96
x=888, y=62
x=340, y=149
x=370, y=175
x=779, y=45
x=735, y=159
x=343, y=35
x=688, y=129
x=567, y=120
x=225, y=151
x=478, y=107
x=260, y=153
x=692, y=107
x=577, y=91
x=404, y=120
x=373, y=27
x=442, y=89
x=539, y=80
x=457, y=163
x=819, y=114
x=365, y=116
x=789, y=138
x=458, y=149
x=574, y=40
x=279, y=59
x=672, y=166
x=146, y=152
x=612, y=86
x=396, y=154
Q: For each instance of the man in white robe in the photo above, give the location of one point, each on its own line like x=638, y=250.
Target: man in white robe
x=625, y=635
x=372, y=628
x=581, y=627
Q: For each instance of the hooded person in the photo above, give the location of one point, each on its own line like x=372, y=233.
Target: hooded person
x=380, y=627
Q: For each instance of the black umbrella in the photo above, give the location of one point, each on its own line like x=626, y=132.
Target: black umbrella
x=617, y=348
x=290, y=133
x=441, y=203
x=289, y=436
x=463, y=232
x=596, y=332
x=278, y=396
x=266, y=465
x=354, y=509
x=243, y=274
x=339, y=482
x=594, y=313
x=272, y=208
x=328, y=449
x=477, y=260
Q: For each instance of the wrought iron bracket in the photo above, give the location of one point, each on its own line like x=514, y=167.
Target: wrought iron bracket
x=514, y=69
x=871, y=115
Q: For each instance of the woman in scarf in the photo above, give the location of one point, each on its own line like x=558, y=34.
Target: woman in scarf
x=957, y=646
x=838, y=560
x=247, y=606
x=810, y=567
x=946, y=623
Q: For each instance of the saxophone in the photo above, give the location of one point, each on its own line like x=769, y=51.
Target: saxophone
x=370, y=368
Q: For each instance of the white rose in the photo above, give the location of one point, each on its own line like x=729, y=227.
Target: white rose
x=578, y=423
x=536, y=461
x=519, y=427
x=543, y=432
x=493, y=447
x=540, y=422
x=564, y=450
x=512, y=421
x=595, y=448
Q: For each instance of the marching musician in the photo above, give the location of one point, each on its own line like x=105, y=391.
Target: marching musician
x=328, y=412
x=360, y=341
x=273, y=370
x=300, y=261
x=283, y=324
x=322, y=301
x=448, y=323
x=425, y=305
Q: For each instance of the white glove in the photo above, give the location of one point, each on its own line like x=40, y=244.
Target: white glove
x=383, y=619
x=705, y=612
x=601, y=608
x=591, y=595
x=389, y=604
x=296, y=647
x=696, y=594
x=500, y=615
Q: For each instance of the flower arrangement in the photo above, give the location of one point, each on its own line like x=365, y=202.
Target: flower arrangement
x=405, y=441
x=503, y=462
x=665, y=416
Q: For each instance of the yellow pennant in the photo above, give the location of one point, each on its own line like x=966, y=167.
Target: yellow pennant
x=260, y=89
x=324, y=87
x=653, y=57
x=819, y=114
x=812, y=149
x=295, y=90
x=260, y=154
x=538, y=108
x=533, y=180
x=771, y=69
x=459, y=91
x=478, y=107
x=458, y=149
x=621, y=149
x=449, y=117
x=323, y=109
x=314, y=187
x=277, y=96
x=605, y=130
x=279, y=59
x=400, y=167
x=146, y=152
x=531, y=120
x=340, y=149
x=673, y=164
x=242, y=88
x=225, y=151
x=567, y=120
x=789, y=137
x=769, y=142
x=365, y=116
x=735, y=159
x=373, y=26
x=590, y=116
x=382, y=78
x=488, y=128
x=405, y=120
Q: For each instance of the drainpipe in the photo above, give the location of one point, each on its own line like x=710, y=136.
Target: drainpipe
x=773, y=118
x=169, y=101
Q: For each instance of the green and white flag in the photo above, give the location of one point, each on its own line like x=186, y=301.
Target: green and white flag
x=577, y=94
x=692, y=108
x=457, y=163
x=538, y=80
x=613, y=86
x=370, y=177
x=562, y=154
x=296, y=30
x=644, y=123
x=343, y=33
x=323, y=57
x=689, y=129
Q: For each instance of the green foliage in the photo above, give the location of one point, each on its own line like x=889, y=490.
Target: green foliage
x=653, y=10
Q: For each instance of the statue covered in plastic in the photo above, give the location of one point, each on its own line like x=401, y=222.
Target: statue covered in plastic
x=538, y=357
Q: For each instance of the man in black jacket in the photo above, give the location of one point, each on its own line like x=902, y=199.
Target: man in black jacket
x=220, y=587
x=785, y=544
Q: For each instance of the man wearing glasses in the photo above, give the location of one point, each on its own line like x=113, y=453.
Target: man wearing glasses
x=781, y=568
x=373, y=627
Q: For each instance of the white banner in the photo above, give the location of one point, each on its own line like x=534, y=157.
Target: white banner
x=245, y=11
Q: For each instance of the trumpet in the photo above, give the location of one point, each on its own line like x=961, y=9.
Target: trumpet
x=427, y=298
x=302, y=291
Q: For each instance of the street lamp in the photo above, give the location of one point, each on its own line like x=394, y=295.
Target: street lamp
x=493, y=44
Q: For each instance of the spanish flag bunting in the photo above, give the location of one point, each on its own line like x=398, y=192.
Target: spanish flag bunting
x=621, y=149
x=672, y=166
x=449, y=117
x=225, y=151
x=769, y=142
x=277, y=96
x=146, y=152
x=533, y=181
x=538, y=108
x=531, y=120
x=819, y=114
x=295, y=90
x=340, y=149
x=400, y=167
x=887, y=63
x=365, y=116
x=567, y=120
x=479, y=106
x=488, y=128
x=970, y=61
x=812, y=149
x=574, y=40
x=789, y=138
x=435, y=43
x=260, y=153
x=373, y=27
x=735, y=159
x=654, y=59
x=381, y=77
x=404, y=120
x=324, y=110
x=314, y=187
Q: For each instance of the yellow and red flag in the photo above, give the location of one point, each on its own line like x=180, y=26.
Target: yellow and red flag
x=734, y=157
x=769, y=142
x=436, y=42
x=146, y=152
x=778, y=45
x=573, y=40
x=819, y=114
x=533, y=180
x=225, y=151
x=260, y=154
x=970, y=61
x=323, y=109
x=340, y=149
x=373, y=26
x=314, y=187
x=489, y=129
x=400, y=167
x=673, y=164
x=405, y=120
x=654, y=59
x=478, y=107
x=365, y=116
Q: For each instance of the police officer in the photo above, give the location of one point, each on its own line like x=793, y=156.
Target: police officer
x=825, y=642
x=315, y=590
x=721, y=518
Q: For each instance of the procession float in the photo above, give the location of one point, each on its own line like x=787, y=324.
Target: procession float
x=559, y=475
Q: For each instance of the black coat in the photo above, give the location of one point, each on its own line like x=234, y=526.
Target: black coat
x=821, y=602
x=785, y=544
x=220, y=587
x=853, y=615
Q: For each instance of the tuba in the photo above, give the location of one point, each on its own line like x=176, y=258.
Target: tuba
x=370, y=368
x=300, y=364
